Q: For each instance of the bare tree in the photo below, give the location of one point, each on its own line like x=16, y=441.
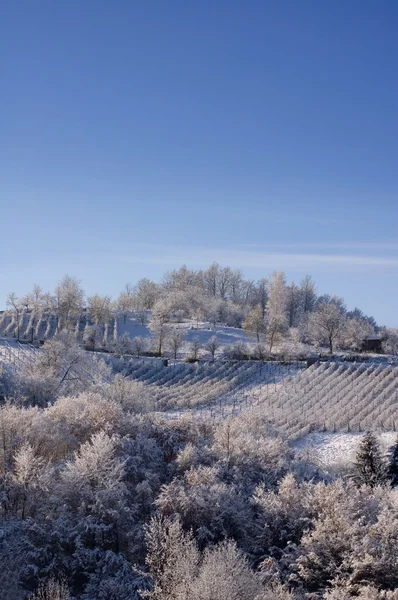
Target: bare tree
x=261, y=294
x=125, y=302
x=276, y=312
x=100, y=308
x=236, y=285
x=175, y=340
x=308, y=294
x=157, y=323
x=224, y=281
x=254, y=322
x=195, y=347
x=327, y=324
x=141, y=317
x=36, y=303
x=147, y=293
x=210, y=277
x=212, y=346
x=139, y=345
x=16, y=306
x=293, y=305
x=68, y=301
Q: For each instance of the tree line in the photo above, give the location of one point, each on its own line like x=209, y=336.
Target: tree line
x=270, y=310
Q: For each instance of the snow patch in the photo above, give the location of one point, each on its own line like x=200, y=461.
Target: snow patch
x=331, y=449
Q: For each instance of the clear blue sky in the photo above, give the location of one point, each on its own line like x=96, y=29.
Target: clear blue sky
x=137, y=136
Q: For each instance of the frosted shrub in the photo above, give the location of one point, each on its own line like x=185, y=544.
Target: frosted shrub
x=225, y=570
x=213, y=509
x=80, y=417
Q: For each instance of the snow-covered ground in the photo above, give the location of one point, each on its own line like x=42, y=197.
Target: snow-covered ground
x=201, y=330
x=333, y=450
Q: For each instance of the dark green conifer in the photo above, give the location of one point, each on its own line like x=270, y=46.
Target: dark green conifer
x=392, y=464
x=369, y=467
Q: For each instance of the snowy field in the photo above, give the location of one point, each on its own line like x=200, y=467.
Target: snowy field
x=334, y=450
x=201, y=330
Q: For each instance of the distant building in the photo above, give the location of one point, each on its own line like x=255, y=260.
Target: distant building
x=372, y=344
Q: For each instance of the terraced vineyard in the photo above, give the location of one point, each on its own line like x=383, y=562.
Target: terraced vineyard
x=324, y=397
x=296, y=400
x=225, y=385
x=334, y=397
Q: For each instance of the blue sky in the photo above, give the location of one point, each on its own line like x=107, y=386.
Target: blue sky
x=137, y=136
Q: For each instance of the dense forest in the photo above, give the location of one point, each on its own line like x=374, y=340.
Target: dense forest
x=112, y=490
x=104, y=499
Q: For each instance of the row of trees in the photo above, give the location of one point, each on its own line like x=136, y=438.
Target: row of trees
x=299, y=312
x=172, y=339
x=270, y=309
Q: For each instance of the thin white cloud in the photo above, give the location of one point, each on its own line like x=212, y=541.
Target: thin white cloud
x=293, y=261
x=361, y=246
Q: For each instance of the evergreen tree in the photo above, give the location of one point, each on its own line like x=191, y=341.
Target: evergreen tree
x=392, y=464
x=369, y=465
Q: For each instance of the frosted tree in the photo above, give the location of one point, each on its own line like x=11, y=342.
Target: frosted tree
x=175, y=340
x=390, y=343
x=308, y=294
x=126, y=302
x=213, y=309
x=261, y=294
x=247, y=292
x=236, y=285
x=226, y=570
x=27, y=476
x=212, y=346
x=147, y=293
x=36, y=303
x=100, y=308
x=276, y=311
x=327, y=323
x=356, y=331
x=254, y=322
x=125, y=345
x=141, y=317
x=182, y=279
x=158, y=323
x=210, y=278
x=224, y=281
x=172, y=559
x=16, y=307
x=139, y=345
x=68, y=301
x=52, y=590
x=293, y=305
x=195, y=347
x=61, y=365
x=90, y=335
x=231, y=314
x=93, y=488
